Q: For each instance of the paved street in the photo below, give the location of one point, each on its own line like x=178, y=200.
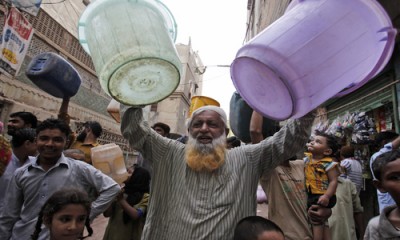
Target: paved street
x=100, y=223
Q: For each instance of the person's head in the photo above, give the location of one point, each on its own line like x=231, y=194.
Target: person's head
x=257, y=228
x=65, y=214
x=139, y=181
x=233, y=142
x=24, y=141
x=322, y=144
x=383, y=138
x=20, y=120
x=75, y=154
x=51, y=138
x=347, y=152
x=386, y=169
x=90, y=128
x=206, y=146
x=161, y=128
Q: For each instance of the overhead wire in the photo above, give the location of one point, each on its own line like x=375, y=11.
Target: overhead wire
x=73, y=8
x=50, y=3
x=67, y=9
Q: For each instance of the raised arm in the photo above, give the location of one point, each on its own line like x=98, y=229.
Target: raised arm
x=142, y=138
x=133, y=128
x=396, y=143
x=256, y=125
x=284, y=144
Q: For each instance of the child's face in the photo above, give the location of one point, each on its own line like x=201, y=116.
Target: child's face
x=271, y=235
x=318, y=146
x=68, y=223
x=390, y=180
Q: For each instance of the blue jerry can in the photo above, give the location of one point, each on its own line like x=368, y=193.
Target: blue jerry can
x=54, y=75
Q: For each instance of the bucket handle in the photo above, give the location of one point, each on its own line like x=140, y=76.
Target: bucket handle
x=391, y=34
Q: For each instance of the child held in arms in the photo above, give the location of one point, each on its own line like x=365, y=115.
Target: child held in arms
x=321, y=174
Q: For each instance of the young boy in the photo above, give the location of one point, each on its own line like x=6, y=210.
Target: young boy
x=257, y=228
x=321, y=176
x=386, y=169
x=33, y=183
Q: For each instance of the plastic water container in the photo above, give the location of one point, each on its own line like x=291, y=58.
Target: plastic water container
x=240, y=117
x=132, y=47
x=313, y=52
x=200, y=101
x=54, y=75
x=109, y=159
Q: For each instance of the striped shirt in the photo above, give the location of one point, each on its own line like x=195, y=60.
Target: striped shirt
x=199, y=205
x=353, y=172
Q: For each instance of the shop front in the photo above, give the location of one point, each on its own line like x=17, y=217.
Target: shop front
x=356, y=118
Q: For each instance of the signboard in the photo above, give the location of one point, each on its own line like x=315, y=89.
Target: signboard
x=14, y=42
x=30, y=6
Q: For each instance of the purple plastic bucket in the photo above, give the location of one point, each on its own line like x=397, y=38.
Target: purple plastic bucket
x=310, y=54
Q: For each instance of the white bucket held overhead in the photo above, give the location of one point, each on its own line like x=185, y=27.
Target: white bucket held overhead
x=131, y=43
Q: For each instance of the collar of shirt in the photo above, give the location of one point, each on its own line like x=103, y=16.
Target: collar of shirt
x=62, y=161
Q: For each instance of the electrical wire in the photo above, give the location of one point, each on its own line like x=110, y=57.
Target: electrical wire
x=50, y=3
x=73, y=8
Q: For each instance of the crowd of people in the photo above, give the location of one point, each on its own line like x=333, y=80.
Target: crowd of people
x=201, y=188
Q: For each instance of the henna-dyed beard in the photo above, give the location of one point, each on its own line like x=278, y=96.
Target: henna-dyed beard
x=205, y=157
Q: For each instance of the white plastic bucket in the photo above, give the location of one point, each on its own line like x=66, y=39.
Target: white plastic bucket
x=132, y=47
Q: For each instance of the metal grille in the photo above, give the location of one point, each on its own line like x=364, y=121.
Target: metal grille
x=47, y=26
x=109, y=137
x=39, y=46
x=88, y=80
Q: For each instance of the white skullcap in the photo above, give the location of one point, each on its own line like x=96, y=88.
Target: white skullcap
x=216, y=109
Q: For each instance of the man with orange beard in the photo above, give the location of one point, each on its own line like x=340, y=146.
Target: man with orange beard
x=201, y=190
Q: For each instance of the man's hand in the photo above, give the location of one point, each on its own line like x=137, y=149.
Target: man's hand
x=318, y=214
